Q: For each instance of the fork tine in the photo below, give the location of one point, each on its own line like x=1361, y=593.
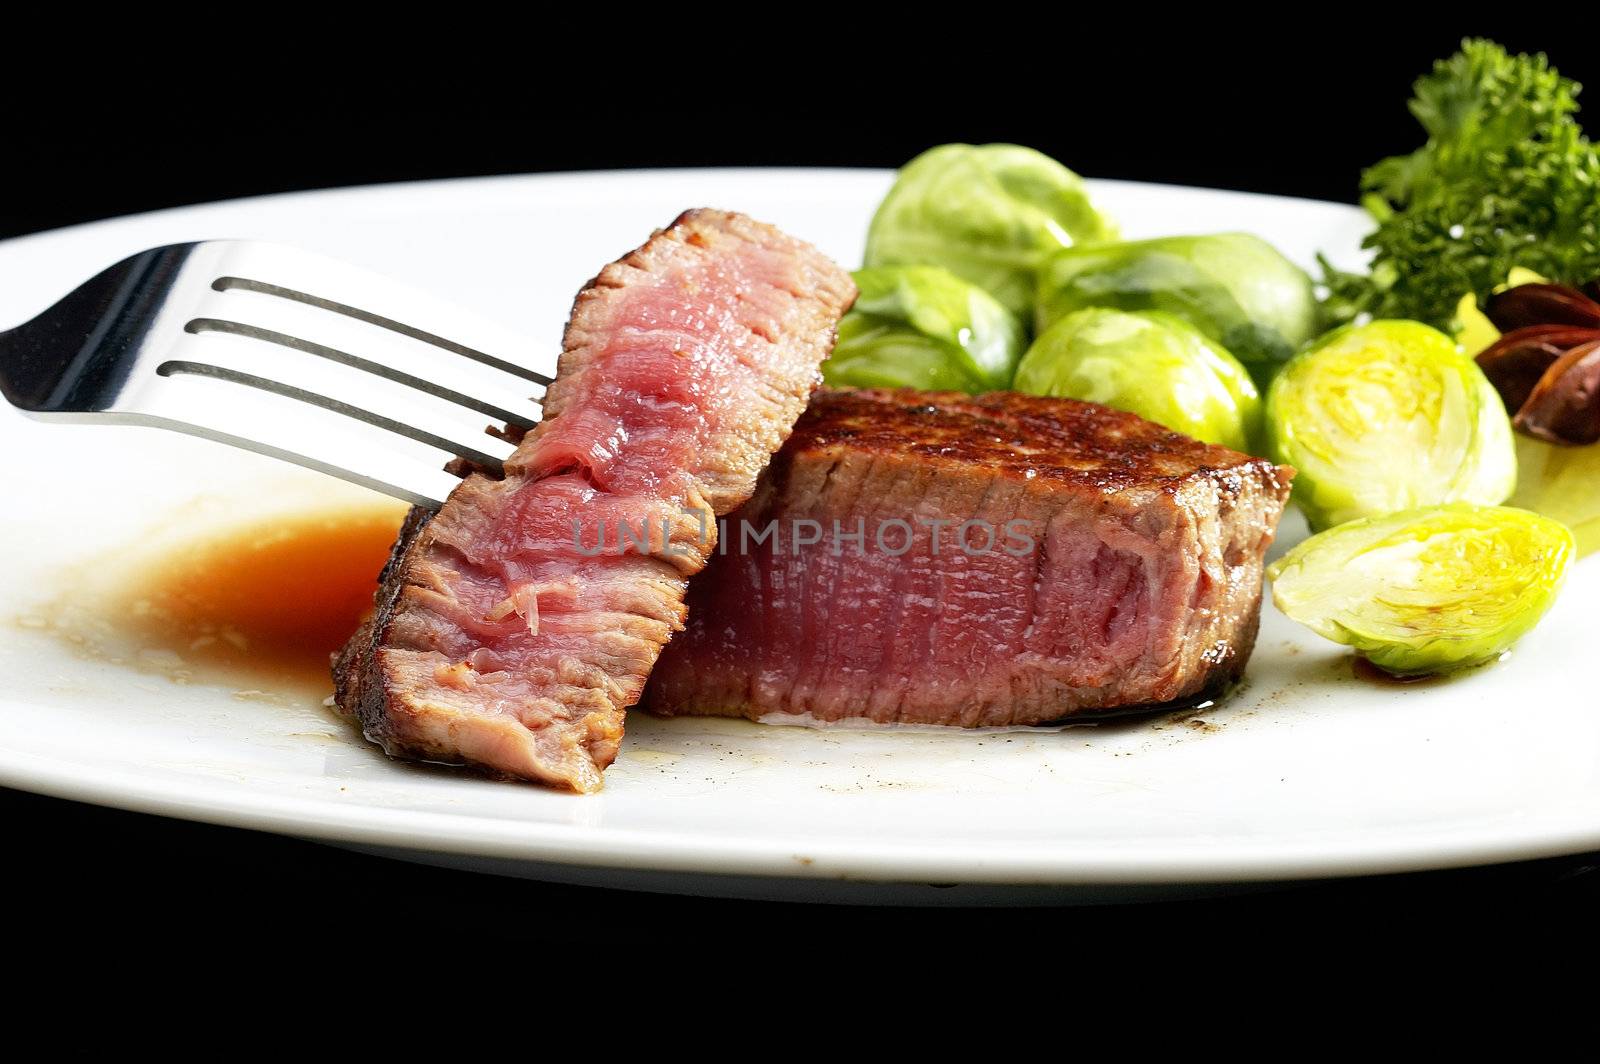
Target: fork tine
x=225, y=284
x=281, y=427
x=349, y=308
x=376, y=351
x=201, y=325
x=337, y=406
x=384, y=385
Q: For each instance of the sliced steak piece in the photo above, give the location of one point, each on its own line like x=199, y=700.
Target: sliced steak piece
x=1124, y=571
x=514, y=627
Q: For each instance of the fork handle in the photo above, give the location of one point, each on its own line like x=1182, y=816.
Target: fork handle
x=70, y=356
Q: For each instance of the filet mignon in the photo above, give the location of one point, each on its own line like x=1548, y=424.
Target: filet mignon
x=502, y=637
x=1123, y=567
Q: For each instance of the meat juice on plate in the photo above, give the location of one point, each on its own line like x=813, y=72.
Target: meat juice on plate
x=274, y=598
x=262, y=600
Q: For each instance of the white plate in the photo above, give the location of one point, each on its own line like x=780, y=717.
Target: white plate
x=1308, y=772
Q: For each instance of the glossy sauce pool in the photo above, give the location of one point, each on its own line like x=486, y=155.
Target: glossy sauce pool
x=267, y=600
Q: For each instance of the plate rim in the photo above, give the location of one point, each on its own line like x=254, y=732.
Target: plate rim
x=877, y=860
x=425, y=185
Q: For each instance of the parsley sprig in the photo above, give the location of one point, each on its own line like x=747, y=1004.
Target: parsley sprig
x=1506, y=178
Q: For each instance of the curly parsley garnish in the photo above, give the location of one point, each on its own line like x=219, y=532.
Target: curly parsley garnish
x=1506, y=179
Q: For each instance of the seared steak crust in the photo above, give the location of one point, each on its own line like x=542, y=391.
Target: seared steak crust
x=499, y=640
x=1142, y=584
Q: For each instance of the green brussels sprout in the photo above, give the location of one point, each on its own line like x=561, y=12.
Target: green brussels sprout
x=1388, y=416
x=1235, y=288
x=989, y=213
x=1426, y=590
x=1151, y=364
x=924, y=327
x=1561, y=482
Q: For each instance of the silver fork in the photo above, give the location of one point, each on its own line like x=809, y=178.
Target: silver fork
x=281, y=352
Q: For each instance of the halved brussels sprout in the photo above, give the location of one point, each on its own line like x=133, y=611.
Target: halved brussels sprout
x=989, y=213
x=924, y=327
x=1151, y=364
x=1235, y=288
x=1427, y=590
x=1563, y=483
x=1388, y=416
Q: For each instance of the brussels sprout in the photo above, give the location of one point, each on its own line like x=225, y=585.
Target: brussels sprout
x=924, y=327
x=1426, y=590
x=1563, y=483
x=1235, y=288
x=989, y=213
x=1151, y=364
x=1388, y=416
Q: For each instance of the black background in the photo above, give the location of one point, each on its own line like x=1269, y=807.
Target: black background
x=1298, y=108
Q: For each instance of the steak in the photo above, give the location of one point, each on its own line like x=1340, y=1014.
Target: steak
x=934, y=558
x=513, y=628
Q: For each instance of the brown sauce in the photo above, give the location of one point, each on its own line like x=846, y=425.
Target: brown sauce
x=271, y=599
x=1366, y=670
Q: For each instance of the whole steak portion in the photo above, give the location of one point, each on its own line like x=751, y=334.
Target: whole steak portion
x=514, y=627
x=935, y=558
